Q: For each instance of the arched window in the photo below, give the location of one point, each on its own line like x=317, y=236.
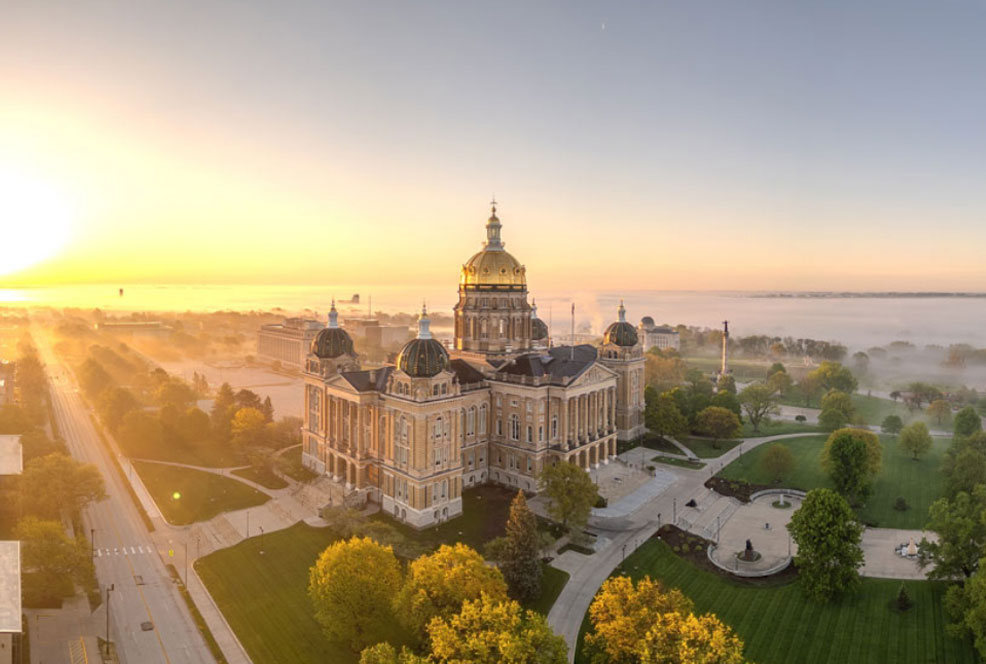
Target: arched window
x=514, y=427
x=471, y=421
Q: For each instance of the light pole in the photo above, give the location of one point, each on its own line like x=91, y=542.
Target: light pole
x=624, y=553
x=186, y=563
x=261, y=540
x=674, y=511
x=92, y=542
x=108, y=589
x=248, y=524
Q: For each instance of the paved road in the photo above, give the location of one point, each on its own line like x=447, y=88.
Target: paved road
x=149, y=621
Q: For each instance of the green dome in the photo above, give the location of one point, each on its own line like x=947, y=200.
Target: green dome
x=423, y=358
x=331, y=343
x=621, y=334
x=539, y=330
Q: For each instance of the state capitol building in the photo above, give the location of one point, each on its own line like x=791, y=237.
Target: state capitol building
x=497, y=407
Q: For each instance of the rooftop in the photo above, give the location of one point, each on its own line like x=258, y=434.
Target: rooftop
x=11, y=455
x=10, y=587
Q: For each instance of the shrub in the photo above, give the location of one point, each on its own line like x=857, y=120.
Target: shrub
x=600, y=501
x=901, y=504
x=800, y=418
x=685, y=548
x=903, y=599
x=677, y=549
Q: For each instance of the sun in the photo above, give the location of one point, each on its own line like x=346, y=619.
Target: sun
x=35, y=220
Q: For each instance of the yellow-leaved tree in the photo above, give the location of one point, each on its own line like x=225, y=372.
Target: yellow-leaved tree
x=645, y=624
x=438, y=584
x=352, y=587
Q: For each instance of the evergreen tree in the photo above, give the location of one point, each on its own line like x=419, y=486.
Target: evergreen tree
x=520, y=564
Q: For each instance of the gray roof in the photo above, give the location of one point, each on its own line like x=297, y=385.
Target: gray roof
x=363, y=381
x=556, y=364
x=10, y=587
x=663, y=329
x=11, y=455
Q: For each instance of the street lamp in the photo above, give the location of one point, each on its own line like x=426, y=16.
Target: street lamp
x=624, y=553
x=261, y=540
x=92, y=542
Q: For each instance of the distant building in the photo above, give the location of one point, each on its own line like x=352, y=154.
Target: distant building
x=11, y=463
x=135, y=328
x=375, y=334
x=662, y=336
x=287, y=342
x=499, y=406
x=6, y=382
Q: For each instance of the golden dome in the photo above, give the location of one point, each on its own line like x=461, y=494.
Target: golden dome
x=493, y=266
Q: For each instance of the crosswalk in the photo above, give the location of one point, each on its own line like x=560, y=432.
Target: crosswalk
x=135, y=550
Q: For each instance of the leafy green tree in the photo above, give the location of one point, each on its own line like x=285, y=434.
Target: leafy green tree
x=834, y=376
x=920, y=393
x=268, y=409
x=961, y=530
x=966, y=605
x=967, y=422
x=248, y=427
x=940, y=410
x=837, y=410
x=141, y=434
x=892, y=424
x=810, y=387
x=915, y=439
x=438, y=584
x=223, y=408
x=93, y=378
x=518, y=551
x=114, y=404
x=829, y=553
x=352, y=587
x=57, y=483
x=852, y=458
x=490, y=632
x=718, y=423
x=570, y=493
x=775, y=368
x=778, y=461
x=965, y=471
x=727, y=400
x=758, y=402
x=54, y=558
x=662, y=416
x=779, y=382
x=726, y=383
x=643, y=622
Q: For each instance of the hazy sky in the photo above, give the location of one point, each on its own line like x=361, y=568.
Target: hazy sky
x=678, y=145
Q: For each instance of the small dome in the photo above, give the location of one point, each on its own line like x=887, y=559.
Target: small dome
x=332, y=342
x=539, y=330
x=423, y=358
x=621, y=333
x=647, y=322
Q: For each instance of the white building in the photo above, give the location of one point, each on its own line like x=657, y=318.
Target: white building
x=287, y=342
x=662, y=336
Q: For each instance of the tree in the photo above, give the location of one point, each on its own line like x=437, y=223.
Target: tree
x=662, y=371
x=810, y=387
x=222, y=411
x=646, y=623
x=58, y=482
x=895, y=395
x=758, y=402
x=248, y=427
x=834, y=376
x=940, y=410
x=487, y=631
x=718, y=423
x=837, y=410
x=915, y=438
x=966, y=605
x=268, y=409
x=726, y=383
x=517, y=552
x=54, y=558
x=852, y=458
x=114, y=404
x=922, y=392
x=778, y=461
x=438, y=584
x=828, y=536
x=570, y=492
x=93, y=378
x=662, y=416
x=140, y=434
x=779, y=382
x=727, y=400
x=961, y=530
x=967, y=422
x=861, y=361
x=966, y=470
x=892, y=424
x=384, y=653
x=352, y=587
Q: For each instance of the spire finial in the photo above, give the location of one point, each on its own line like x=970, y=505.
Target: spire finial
x=493, y=203
x=622, y=311
x=333, y=314
x=423, y=322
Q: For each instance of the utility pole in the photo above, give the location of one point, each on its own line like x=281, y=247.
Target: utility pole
x=108, y=589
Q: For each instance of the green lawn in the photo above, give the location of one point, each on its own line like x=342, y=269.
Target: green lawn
x=702, y=447
x=262, y=476
x=919, y=482
x=208, y=454
x=779, y=626
x=264, y=597
x=289, y=463
x=743, y=370
x=777, y=427
x=654, y=442
x=202, y=495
